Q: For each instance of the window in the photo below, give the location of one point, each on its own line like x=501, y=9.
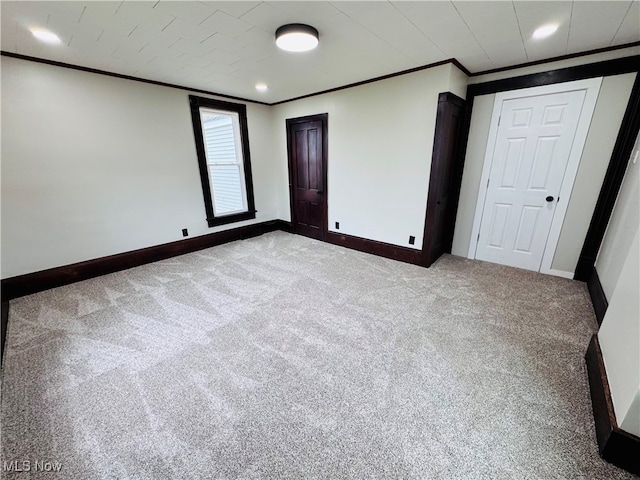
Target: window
x=222, y=144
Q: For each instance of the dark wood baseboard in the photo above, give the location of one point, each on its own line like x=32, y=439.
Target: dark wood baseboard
x=616, y=446
x=598, y=298
x=387, y=250
x=5, y=321
x=284, y=226
x=56, y=277
x=27, y=284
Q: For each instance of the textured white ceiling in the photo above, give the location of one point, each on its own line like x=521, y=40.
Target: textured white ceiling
x=228, y=47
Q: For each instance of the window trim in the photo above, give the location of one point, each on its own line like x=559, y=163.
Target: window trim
x=195, y=103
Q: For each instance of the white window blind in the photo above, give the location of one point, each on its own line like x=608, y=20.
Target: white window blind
x=221, y=132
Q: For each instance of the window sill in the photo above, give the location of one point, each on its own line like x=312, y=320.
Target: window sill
x=237, y=217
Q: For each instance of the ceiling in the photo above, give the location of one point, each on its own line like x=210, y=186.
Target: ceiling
x=228, y=47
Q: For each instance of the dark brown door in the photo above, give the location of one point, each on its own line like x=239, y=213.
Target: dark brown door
x=444, y=182
x=307, y=146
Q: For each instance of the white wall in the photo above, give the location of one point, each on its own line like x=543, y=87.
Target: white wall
x=619, y=338
x=618, y=267
x=94, y=165
x=598, y=147
x=458, y=81
x=380, y=146
x=625, y=220
x=631, y=422
x=473, y=164
x=607, y=117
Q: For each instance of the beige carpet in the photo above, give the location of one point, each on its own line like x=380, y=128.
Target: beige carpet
x=283, y=357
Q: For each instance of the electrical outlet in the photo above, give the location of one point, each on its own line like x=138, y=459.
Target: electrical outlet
x=337, y=225
x=185, y=232
x=412, y=240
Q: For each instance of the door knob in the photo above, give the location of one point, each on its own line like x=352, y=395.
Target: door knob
x=549, y=198
x=320, y=192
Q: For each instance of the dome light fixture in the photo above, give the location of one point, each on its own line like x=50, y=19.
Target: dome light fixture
x=296, y=37
x=261, y=87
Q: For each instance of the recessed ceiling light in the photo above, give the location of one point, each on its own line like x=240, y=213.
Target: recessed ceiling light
x=261, y=87
x=45, y=35
x=296, y=37
x=544, y=31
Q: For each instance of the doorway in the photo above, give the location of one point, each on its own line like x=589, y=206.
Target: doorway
x=535, y=143
x=307, y=154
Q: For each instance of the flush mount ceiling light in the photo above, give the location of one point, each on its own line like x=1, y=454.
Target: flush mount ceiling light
x=544, y=31
x=296, y=37
x=45, y=35
x=261, y=87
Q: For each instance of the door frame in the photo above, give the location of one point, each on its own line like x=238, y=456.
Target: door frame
x=445, y=102
x=320, y=117
x=592, y=87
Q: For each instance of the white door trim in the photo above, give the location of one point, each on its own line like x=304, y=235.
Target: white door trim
x=592, y=87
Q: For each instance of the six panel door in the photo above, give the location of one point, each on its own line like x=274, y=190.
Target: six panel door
x=535, y=137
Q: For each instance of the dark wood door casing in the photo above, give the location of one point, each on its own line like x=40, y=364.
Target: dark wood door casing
x=307, y=155
x=444, y=180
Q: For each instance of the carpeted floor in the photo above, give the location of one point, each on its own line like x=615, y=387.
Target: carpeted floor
x=283, y=357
